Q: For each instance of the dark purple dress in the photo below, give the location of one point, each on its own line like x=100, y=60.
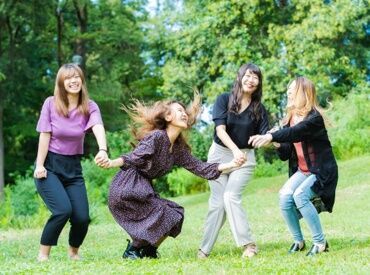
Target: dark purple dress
x=145, y=216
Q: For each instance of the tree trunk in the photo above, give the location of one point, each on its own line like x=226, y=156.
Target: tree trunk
x=2, y=183
x=81, y=11
x=59, y=15
x=2, y=99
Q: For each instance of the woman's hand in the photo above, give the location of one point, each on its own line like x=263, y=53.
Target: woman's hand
x=101, y=159
x=235, y=163
x=107, y=164
x=239, y=156
x=258, y=141
x=112, y=163
x=40, y=172
x=230, y=166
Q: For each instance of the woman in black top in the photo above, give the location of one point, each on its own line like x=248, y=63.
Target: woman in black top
x=237, y=116
x=313, y=170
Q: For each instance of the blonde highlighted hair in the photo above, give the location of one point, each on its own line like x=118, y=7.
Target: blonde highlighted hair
x=150, y=117
x=305, y=100
x=60, y=93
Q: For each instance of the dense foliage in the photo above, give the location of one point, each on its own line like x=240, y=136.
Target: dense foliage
x=128, y=52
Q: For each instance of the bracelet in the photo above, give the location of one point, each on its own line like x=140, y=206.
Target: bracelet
x=105, y=150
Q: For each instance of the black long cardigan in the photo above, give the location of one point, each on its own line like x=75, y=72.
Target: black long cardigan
x=317, y=152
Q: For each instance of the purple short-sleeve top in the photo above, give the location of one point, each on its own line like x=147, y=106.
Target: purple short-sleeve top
x=67, y=133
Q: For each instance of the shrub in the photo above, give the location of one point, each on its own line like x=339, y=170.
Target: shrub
x=97, y=181
x=6, y=210
x=350, y=134
x=22, y=207
x=270, y=169
x=183, y=182
x=23, y=197
x=200, y=141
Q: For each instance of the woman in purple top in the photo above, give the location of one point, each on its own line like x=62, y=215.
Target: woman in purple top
x=64, y=120
x=146, y=217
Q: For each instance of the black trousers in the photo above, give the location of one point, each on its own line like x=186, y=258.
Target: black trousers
x=64, y=193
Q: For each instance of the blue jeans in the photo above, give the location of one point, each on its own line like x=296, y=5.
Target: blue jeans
x=295, y=195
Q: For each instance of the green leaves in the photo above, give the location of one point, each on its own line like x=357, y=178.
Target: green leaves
x=207, y=41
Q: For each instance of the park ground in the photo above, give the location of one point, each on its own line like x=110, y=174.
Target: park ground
x=347, y=230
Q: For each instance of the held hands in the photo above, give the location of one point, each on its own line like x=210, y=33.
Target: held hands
x=258, y=141
x=232, y=165
x=109, y=163
x=239, y=156
x=101, y=159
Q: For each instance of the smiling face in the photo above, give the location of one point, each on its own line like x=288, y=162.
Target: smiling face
x=291, y=94
x=250, y=82
x=178, y=116
x=73, y=83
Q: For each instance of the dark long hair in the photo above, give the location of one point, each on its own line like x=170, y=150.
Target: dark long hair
x=237, y=92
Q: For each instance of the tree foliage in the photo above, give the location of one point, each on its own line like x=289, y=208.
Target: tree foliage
x=37, y=36
x=205, y=44
x=128, y=53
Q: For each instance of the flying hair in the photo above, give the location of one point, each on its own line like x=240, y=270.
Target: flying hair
x=150, y=117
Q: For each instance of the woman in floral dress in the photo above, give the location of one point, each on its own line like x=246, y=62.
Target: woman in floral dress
x=134, y=204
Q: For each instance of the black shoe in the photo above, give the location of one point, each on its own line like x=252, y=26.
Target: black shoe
x=131, y=252
x=295, y=248
x=315, y=249
x=149, y=251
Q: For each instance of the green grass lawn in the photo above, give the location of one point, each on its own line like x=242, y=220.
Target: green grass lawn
x=347, y=230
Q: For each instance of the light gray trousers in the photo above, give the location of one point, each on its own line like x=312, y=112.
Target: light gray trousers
x=226, y=199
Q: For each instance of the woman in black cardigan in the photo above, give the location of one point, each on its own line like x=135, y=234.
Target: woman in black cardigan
x=313, y=170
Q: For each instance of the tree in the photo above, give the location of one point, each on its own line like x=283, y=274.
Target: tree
x=37, y=37
x=205, y=43
x=22, y=32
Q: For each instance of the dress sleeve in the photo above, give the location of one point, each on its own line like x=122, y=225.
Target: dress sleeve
x=302, y=131
x=44, y=123
x=94, y=116
x=263, y=126
x=220, y=109
x=142, y=154
x=202, y=169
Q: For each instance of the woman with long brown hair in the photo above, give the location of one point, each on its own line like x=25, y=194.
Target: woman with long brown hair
x=64, y=120
x=313, y=170
x=145, y=216
x=237, y=116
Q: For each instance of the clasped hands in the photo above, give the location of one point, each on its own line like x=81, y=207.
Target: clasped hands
x=239, y=159
x=102, y=160
x=258, y=141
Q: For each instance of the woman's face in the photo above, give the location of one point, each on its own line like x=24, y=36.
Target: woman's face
x=178, y=116
x=250, y=82
x=73, y=83
x=291, y=93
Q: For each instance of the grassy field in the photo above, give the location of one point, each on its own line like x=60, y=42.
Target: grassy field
x=347, y=230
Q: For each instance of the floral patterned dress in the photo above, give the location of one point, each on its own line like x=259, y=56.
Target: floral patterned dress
x=145, y=216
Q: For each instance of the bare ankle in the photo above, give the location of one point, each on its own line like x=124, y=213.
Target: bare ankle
x=42, y=257
x=73, y=253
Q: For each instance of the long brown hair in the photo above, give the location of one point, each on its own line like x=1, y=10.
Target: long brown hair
x=150, y=117
x=305, y=100
x=237, y=91
x=60, y=93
